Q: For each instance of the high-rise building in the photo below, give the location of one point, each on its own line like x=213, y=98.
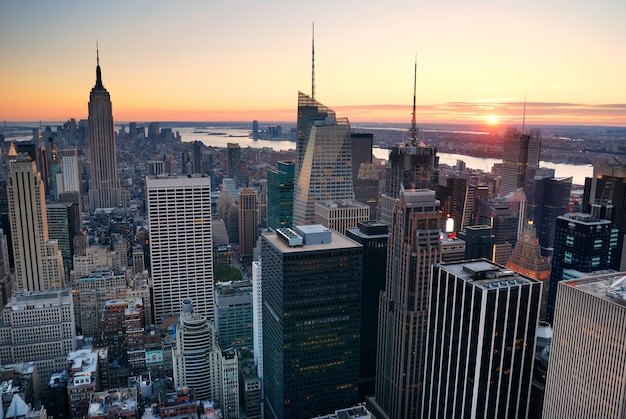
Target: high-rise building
x=526, y=259
x=71, y=173
x=233, y=168
x=38, y=260
x=181, y=249
x=480, y=344
x=233, y=314
x=323, y=169
x=605, y=197
x=257, y=315
x=341, y=215
x=40, y=327
x=551, y=200
x=585, y=376
x=456, y=200
x=361, y=145
x=403, y=310
x=280, y=184
x=200, y=364
x=520, y=158
x=248, y=222
x=311, y=321
x=583, y=243
x=105, y=190
x=479, y=241
x=504, y=224
x=63, y=224
x=373, y=236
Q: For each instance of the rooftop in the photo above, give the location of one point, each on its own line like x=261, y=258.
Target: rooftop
x=486, y=275
x=609, y=287
x=338, y=241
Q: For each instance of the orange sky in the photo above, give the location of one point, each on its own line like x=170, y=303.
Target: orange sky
x=242, y=60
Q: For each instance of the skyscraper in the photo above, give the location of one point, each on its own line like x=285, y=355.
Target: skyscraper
x=412, y=165
x=181, y=249
x=586, y=376
x=38, y=260
x=520, y=159
x=233, y=168
x=481, y=338
x=280, y=184
x=71, y=174
x=104, y=186
x=373, y=236
x=248, y=221
x=551, y=200
x=311, y=321
x=581, y=242
x=403, y=311
x=323, y=159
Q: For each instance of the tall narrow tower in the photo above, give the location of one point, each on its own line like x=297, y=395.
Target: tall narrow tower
x=403, y=310
x=520, y=160
x=38, y=260
x=104, y=186
x=413, y=165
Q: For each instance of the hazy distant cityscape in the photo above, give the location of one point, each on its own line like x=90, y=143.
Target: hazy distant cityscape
x=310, y=269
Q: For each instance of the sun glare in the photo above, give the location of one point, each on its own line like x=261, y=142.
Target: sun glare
x=493, y=119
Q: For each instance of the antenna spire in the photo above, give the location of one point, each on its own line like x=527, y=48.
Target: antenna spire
x=99, y=84
x=313, y=63
x=524, y=116
x=413, y=132
x=97, y=54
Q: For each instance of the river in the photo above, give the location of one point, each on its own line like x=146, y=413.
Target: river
x=221, y=136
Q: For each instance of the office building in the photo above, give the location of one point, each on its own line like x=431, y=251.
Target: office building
x=63, y=224
x=480, y=345
x=361, y=145
x=520, y=159
x=233, y=314
x=504, y=224
x=39, y=327
x=341, y=215
x=605, y=197
x=323, y=169
x=551, y=200
x=403, y=310
x=105, y=190
x=457, y=200
x=71, y=172
x=233, y=168
x=181, y=250
x=38, y=260
x=91, y=293
x=585, y=376
x=248, y=222
x=311, y=321
x=527, y=260
x=373, y=236
x=479, y=242
x=280, y=184
x=582, y=243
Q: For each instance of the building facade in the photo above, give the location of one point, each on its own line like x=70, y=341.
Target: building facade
x=311, y=321
x=585, y=376
x=324, y=159
x=341, y=215
x=105, y=190
x=280, y=184
x=481, y=338
x=248, y=221
x=520, y=159
x=403, y=307
x=181, y=249
x=38, y=260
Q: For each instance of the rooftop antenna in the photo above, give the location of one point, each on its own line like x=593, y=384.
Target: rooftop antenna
x=413, y=132
x=97, y=54
x=313, y=63
x=524, y=116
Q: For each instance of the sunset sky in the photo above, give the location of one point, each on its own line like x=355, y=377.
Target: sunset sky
x=238, y=60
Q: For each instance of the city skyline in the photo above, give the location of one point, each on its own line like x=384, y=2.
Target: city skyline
x=477, y=63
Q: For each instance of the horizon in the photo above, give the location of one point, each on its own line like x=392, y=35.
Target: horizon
x=475, y=63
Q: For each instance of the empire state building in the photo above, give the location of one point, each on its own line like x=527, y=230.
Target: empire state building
x=104, y=186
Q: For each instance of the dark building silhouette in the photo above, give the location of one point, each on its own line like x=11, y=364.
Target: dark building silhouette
x=551, y=199
x=280, y=195
x=373, y=236
x=479, y=241
x=311, y=321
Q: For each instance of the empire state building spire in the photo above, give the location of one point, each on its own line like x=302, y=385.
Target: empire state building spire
x=104, y=186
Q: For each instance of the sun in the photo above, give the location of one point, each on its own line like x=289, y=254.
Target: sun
x=493, y=119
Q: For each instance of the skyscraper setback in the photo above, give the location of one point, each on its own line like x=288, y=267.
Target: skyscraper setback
x=104, y=186
x=403, y=312
x=38, y=260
